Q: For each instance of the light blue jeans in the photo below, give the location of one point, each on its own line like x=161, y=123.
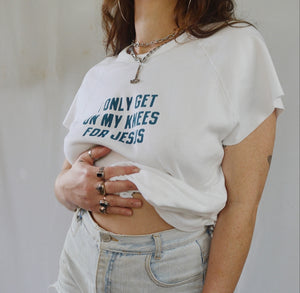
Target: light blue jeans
x=94, y=260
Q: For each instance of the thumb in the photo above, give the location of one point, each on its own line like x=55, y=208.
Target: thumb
x=93, y=154
x=99, y=152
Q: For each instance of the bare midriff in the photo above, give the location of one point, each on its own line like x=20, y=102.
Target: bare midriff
x=145, y=220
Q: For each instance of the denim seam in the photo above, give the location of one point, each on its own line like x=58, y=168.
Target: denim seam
x=163, y=284
x=126, y=253
x=204, y=261
x=164, y=247
x=108, y=273
x=97, y=269
x=201, y=252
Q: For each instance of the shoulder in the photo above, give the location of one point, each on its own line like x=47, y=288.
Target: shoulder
x=99, y=68
x=235, y=35
x=235, y=48
x=230, y=45
x=106, y=61
x=235, y=41
x=103, y=63
x=238, y=32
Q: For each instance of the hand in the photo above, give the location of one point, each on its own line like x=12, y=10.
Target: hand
x=76, y=185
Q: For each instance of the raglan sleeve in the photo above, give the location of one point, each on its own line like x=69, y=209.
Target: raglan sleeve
x=80, y=100
x=70, y=116
x=251, y=83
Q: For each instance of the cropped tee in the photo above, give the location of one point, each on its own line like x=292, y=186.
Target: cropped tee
x=194, y=97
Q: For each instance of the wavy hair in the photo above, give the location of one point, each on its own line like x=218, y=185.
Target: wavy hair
x=201, y=19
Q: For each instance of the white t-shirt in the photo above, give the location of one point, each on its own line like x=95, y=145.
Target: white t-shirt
x=194, y=96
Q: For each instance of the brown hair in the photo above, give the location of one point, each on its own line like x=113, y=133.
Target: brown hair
x=202, y=19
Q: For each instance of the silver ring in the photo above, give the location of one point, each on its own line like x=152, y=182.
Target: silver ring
x=91, y=156
x=103, y=210
x=101, y=188
x=100, y=173
x=103, y=205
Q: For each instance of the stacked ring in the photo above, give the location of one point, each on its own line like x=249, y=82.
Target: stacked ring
x=103, y=205
x=101, y=188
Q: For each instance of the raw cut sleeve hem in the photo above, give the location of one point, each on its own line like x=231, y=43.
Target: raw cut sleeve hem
x=277, y=105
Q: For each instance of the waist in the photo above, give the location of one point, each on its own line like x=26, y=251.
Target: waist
x=168, y=239
x=145, y=220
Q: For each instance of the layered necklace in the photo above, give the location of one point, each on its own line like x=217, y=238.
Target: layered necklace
x=142, y=60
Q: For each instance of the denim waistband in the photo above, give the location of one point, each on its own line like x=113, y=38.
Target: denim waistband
x=163, y=240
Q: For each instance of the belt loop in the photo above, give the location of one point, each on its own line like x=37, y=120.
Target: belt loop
x=210, y=230
x=157, y=242
x=79, y=213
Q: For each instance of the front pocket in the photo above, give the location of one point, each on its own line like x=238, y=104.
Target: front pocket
x=176, y=266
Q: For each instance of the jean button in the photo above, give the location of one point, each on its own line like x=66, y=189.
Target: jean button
x=105, y=237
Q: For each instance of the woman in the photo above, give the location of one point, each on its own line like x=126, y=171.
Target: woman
x=170, y=139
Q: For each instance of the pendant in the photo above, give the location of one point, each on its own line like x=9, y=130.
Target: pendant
x=136, y=79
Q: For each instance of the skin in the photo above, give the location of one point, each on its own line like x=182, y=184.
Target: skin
x=245, y=167
x=153, y=20
x=75, y=186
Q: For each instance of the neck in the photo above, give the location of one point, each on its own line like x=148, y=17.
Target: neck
x=153, y=20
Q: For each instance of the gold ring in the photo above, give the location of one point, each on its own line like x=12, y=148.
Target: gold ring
x=101, y=188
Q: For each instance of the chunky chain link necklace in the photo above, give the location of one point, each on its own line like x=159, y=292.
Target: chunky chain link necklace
x=142, y=60
x=154, y=42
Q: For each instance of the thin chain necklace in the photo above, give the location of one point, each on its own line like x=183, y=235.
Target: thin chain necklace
x=141, y=61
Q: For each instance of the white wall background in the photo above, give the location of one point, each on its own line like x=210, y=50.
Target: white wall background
x=45, y=49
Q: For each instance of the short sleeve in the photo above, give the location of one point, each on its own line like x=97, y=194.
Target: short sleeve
x=69, y=118
x=251, y=83
x=79, y=100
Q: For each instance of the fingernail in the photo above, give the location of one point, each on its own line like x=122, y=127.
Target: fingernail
x=137, y=204
x=136, y=170
x=129, y=213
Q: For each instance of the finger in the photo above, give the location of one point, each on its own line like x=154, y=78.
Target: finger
x=110, y=172
x=119, y=211
x=113, y=210
x=100, y=151
x=95, y=154
x=118, y=201
x=116, y=205
x=115, y=199
x=119, y=186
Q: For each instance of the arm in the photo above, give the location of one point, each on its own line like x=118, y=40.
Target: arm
x=245, y=166
x=75, y=186
x=58, y=187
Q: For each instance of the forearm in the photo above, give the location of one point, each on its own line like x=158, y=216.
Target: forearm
x=229, y=248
